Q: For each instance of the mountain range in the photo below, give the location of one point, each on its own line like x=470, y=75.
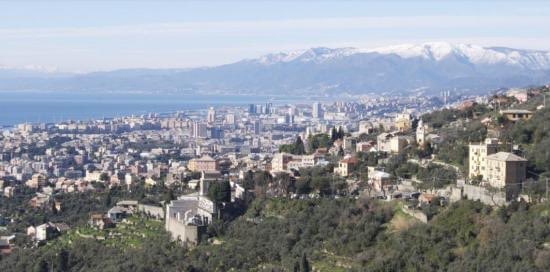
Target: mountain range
x=400, y=69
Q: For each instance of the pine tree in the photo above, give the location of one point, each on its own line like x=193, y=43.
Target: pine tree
x=296, y=267
x=305, y=264
x=340, y=133
x=41, y=266
x=108, y=199
x=169, y=196
x=333, y=134
x=54, y=208
x=299, y=148
x=341, y=152
x=62, y=261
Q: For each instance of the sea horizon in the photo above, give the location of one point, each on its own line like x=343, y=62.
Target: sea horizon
x=53, y=107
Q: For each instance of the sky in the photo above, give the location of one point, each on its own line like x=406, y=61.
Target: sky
x=82, y=36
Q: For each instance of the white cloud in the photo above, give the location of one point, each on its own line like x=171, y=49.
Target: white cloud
x=191, y=44
x=263, y=26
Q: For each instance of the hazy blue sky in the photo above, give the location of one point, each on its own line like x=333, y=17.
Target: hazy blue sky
x=102, y=35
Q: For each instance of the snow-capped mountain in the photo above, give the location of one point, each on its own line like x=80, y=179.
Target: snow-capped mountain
x=431, y=67
x=318, y=54
x=435, y=51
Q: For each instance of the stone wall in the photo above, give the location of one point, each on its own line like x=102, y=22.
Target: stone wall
x=474, y=192
x=157, y=212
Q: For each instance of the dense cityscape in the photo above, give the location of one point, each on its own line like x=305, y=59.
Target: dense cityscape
x=192, y=174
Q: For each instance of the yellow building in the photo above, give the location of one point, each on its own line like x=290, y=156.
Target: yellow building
x=403, y=122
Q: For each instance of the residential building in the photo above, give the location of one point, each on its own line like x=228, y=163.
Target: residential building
x=204, y=163
x=516, y=114
x=200, y=130
x=403, y=122
x=391, y=142
x=478, y=157
x=506, y=171
x=345, y=166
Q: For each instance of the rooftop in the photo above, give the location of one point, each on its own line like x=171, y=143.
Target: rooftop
x=515, y=111
x=505, y=156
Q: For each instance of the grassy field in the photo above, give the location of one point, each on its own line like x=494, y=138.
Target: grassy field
x=130, y=233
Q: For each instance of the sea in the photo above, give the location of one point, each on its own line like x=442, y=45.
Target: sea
x=49, y=107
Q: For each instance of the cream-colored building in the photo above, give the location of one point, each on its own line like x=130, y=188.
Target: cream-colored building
x=391, y=143
x=421, y=131
x=345, y=166
x=478, y=157
x=282, y=162
x=366, y=127
x=516, y=114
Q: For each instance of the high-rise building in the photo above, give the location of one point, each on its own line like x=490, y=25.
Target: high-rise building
x=211, y=118
x=252, y=109
x=292, y=110
x=317, y=111
x=257, y=127
x=268, y=108
x=230, y=119
x=216, y=132
x=199, y=130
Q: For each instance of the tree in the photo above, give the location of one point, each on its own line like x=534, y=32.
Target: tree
x=169, y=196
x=104, y=177
x=333, y=134
x=220, y=191
x=286, y=183
x=340, y=133
x=296, y=267
x=108, y=199
x=305, y=264
x=318, y=141
x=41, y=266
x=341, y=152
x=62, y=261
x=248, y=181
x=299, y=148
x=313, y=143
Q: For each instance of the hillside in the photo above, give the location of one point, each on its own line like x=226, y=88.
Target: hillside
x=330, y=235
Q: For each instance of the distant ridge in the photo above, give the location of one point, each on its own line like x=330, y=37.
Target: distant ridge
x=397, y=69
